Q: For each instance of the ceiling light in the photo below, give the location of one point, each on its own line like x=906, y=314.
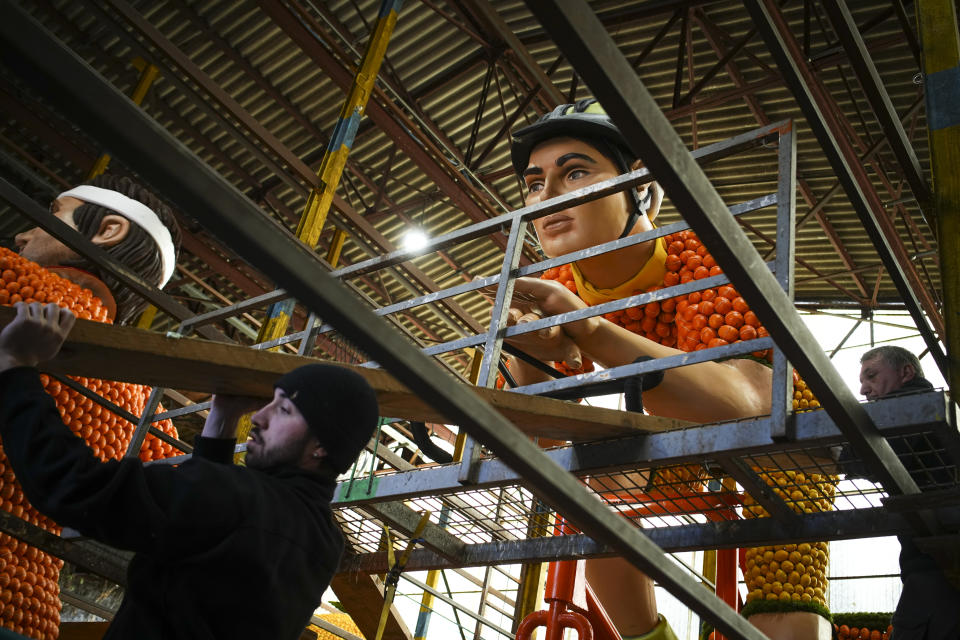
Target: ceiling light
x=415, y=239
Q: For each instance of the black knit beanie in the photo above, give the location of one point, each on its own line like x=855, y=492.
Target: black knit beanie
x=339, y=406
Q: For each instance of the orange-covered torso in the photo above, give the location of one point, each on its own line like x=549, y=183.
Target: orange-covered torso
x=29, y=592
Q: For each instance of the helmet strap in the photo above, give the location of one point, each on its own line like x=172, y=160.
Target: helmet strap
x=639, y=208
x=640, y=205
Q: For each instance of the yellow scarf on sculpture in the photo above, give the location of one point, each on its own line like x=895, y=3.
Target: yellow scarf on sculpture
x=650, y=275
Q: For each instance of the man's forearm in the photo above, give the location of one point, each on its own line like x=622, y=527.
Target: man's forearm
x=220, y=424
x=8, y=361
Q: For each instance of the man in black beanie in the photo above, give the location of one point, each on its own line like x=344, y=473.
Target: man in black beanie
x=221, y=550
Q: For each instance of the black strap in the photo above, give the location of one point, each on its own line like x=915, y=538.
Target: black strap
x=634, y=386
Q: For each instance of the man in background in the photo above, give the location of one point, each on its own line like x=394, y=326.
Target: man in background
x=929, y=606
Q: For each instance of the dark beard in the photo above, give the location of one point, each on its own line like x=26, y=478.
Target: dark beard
x=286, y=456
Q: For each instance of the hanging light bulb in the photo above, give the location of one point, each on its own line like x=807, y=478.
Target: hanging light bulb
x=415, y=239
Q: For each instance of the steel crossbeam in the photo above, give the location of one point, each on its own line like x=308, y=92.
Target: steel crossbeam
x=830, y=525
x=862, y=62
x=815, y=432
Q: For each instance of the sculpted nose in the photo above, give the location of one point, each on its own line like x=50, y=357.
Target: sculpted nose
x=549, y=190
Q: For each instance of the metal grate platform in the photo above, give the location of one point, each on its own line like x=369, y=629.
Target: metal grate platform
x=703, y=487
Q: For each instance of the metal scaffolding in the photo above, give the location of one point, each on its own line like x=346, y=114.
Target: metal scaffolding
x=490, y=500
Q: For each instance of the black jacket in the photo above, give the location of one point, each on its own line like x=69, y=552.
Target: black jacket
x=221, y=551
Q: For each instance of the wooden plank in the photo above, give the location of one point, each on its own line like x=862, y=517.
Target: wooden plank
x=96, y=630
x=83, y=630
x=362, y=597
x=129, y=354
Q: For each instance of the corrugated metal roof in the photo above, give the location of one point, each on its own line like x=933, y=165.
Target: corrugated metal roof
x=434, y=75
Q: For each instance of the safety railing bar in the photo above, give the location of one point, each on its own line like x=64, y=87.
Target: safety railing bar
x=588, y=312
x=708, y=153
x=660, y=364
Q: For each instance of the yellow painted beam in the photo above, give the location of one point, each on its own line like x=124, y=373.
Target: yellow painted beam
x=341, y=142
x=148, y=73
x=940, y=41
x=335, y=159
x=145, y=321
x=426, y=606
x=336, y=247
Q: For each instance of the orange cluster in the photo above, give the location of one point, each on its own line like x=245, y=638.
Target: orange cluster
x=843, y=632
x=105, y=433
x=703, y=319
x=678, y=480
x=29, y=594
x=25, y=281
x=711, y=317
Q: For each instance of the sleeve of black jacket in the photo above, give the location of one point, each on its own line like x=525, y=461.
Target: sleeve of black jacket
x=122, y=503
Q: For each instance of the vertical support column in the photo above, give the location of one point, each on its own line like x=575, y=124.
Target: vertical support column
x=335, y=159
x=494, y=341
x=143, y=426
x=937, y=23
x=148, y=73
x=781, y=410
x=426, y=606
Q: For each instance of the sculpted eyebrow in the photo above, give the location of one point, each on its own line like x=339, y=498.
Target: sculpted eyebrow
x=562, y=160
x=571, y=156
x=530, y=171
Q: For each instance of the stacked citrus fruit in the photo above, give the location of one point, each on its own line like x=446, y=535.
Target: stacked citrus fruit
x=844, y=632
x=29, y=602
x=793, y=572
x=803, y=398
x=341, y=620
x=862, y=626
x=29, y=593
x=711, y=317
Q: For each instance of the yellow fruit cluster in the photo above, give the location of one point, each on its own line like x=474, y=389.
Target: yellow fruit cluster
x=341, y=620
x=804, y=493
x=793, y=572
x=803, y=399
x=681, y=478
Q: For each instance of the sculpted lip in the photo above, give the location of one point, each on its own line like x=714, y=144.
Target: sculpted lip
x=554, y=220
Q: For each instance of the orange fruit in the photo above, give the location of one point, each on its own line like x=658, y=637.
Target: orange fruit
x=728, y=333
x=734, y=319
x=722, y=305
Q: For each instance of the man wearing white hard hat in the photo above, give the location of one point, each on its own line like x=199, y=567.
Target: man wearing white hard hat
x=123, y=218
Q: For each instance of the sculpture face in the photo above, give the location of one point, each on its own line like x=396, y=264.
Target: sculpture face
x=41, y=247
x=562, y=165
